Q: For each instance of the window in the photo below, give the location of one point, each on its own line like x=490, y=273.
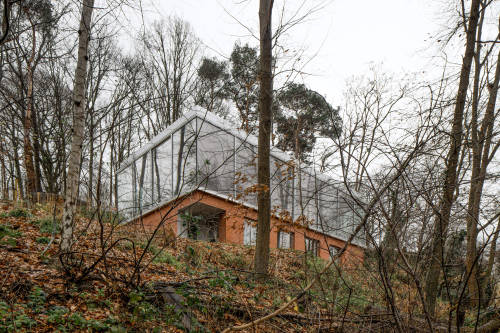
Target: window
x=249, y=232
x=333, y=250
x=285, y=240
x=312, y=246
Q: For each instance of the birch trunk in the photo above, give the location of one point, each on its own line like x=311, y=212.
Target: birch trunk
x=73, y=174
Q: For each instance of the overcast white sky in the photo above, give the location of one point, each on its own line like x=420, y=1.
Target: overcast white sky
x=341, y=40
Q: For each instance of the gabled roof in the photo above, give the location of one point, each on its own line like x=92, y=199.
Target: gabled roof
x=209, y=117
x=213, y=119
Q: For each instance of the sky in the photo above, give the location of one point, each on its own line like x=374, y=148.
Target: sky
x=342, y=39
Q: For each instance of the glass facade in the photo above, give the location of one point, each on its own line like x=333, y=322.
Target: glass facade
x=203, y=152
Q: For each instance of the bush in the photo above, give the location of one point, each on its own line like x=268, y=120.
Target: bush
x=12, y=319
x=8, y=235
x=47, y=225
x=140, y=308
x=43, y=240
x=37, y=300
x=19, y=213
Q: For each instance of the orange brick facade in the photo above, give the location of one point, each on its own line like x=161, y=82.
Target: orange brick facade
x=231, y=224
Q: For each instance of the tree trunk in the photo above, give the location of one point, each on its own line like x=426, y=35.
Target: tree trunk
x=90, y=194
x=265, y=113
x=491, y=259
x=5, y=190
x=36, y=151
x=73, y=174
x=446, y=202
x=481, y=144
x=18, y=186
x=28, y=150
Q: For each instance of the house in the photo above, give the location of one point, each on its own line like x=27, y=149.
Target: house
x=198, y=179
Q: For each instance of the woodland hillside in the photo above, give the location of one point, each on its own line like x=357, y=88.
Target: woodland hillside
x=212, y=285
x=116, y=114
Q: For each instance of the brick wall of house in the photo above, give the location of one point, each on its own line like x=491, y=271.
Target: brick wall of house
x=232, y=224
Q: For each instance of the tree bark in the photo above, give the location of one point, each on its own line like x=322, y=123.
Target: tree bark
x=265, y=113
x=449, y=186
x=73, y=174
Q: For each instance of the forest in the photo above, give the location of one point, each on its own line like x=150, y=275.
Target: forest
x=154, y=185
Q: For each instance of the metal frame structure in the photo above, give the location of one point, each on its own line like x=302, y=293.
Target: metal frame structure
x=201, y=151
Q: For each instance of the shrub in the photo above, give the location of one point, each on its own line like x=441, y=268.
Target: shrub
x=19, y=212
x=37, y=300
x=56, y=314
x=141, y=309
x=12, y=319
x=43, y=240
x=47, y=225
x=8, y=236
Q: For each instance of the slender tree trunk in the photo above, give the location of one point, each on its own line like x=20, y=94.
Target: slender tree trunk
x=73, y=174
x=90, y=198
x=481, y=143
x=265, y=113
x=5, y=190
x=491, y=258
x=36, y=151
x=17, y=165
x=28, y=150
x=449, y=186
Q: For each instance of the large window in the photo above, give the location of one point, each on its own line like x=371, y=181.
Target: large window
x=162, y=167
x=285, y=240
x=246, y=172
x=250, y=232
x=144, y=182
x=312, y=246
x=126, y=192
x=215, y=159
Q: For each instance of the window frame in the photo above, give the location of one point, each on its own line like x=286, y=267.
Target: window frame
x=291, y=244
x=314, y=249
x=249, y=223
x=330, y=247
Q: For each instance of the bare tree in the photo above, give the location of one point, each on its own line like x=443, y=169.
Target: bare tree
x=443, y=216
x=78, y=127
